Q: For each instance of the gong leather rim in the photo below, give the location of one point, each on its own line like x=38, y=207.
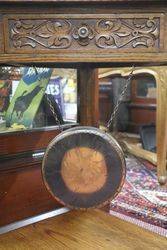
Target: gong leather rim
x=112, y=143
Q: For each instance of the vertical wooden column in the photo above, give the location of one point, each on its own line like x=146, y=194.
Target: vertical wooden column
x=88, y=97
x=161, y=80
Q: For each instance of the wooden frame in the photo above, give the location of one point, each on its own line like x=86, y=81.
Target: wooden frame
x=97, y=47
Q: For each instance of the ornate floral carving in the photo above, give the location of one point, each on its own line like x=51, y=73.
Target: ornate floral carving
x=50, y=34
x=119, y=33
x=112, y=33
x=83, y=34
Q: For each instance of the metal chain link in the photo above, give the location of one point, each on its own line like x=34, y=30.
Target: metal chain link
x=54, y=113
x=114, y=113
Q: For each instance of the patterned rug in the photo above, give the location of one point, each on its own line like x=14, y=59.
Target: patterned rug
x=142, y=200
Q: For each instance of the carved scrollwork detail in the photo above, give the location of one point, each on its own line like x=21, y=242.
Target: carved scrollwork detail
x=50, y=34
x=112, y=33
x=119, y=33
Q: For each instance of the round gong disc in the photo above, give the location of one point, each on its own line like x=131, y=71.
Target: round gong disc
x=83, y=167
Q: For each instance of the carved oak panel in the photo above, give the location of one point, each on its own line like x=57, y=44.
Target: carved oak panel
x=134, y=33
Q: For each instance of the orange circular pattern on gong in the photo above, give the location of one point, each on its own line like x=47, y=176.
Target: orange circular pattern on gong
x=83, y=170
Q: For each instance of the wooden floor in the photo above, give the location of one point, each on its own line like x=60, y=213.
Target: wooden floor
x=78, y=230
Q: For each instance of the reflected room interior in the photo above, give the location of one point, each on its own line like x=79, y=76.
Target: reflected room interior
x=36, y=97
x=134, y=125
x=38, y=101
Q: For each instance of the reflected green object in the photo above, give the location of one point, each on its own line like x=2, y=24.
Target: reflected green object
x=28, y=96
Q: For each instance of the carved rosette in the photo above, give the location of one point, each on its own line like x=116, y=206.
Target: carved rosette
x=112, y=33
x=83, y=34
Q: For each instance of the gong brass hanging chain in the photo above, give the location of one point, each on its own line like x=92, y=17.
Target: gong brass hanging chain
x=124, y=90
x=116, y=108
x=54, y=113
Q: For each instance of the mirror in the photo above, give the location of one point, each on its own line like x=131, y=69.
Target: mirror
x=36, y=97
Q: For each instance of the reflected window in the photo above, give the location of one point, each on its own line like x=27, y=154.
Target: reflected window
x=146, y=86
x=32, y=97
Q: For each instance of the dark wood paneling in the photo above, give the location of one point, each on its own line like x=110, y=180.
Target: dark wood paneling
x=141, y=115
x=22, y=191
x=11, y=163
x=25, y=141
x=22, y=141
x=23, y=194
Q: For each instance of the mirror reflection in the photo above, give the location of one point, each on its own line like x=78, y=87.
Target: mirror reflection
x=33, y=97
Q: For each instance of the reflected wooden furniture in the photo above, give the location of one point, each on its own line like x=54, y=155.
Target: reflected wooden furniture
x=85, y=35
x=160, y=75
x=82, y=230
x=142, y=107
x=131, y=144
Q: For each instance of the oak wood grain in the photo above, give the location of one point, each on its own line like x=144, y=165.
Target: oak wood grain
x=42, y=33
x=88, y=93
x=82, y=230
x=103, y=58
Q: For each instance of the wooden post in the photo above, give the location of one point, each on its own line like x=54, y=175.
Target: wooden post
x=161, y=123
x=88, y=97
